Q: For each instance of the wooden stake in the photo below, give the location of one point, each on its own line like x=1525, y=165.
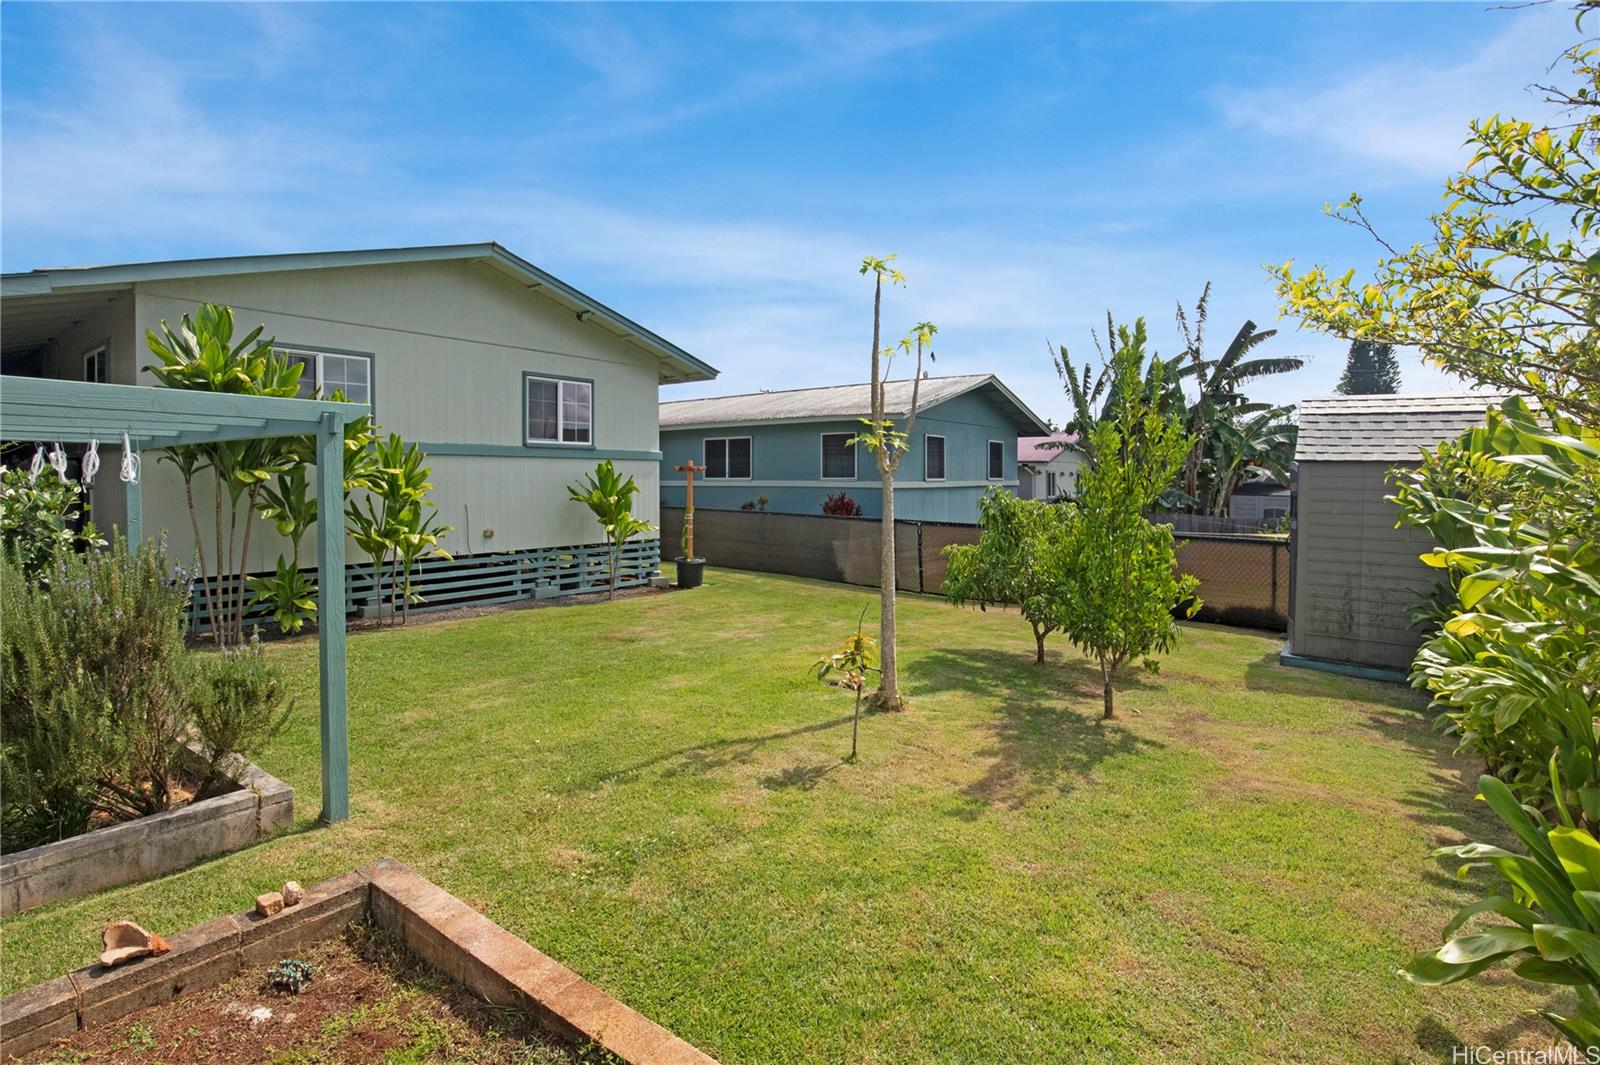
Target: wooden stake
x=688, y=469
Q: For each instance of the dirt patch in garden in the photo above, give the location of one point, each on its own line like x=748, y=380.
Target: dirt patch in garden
x=370, y=1000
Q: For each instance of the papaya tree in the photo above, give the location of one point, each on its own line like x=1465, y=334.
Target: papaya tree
x=889, y=442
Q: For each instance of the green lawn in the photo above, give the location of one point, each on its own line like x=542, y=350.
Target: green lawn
x=651, y=791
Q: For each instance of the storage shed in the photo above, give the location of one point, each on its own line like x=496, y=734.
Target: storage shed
x=1354, y=575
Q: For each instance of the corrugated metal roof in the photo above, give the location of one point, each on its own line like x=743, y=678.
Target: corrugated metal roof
x=1385, y=428
x=834, y=401
x=1033, y=449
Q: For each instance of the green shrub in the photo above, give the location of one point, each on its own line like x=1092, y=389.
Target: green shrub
x=102, y=697
x=236, y=708
x=37, y=516
x=1551, y=898
x=1010, y=563
x=1512, y=665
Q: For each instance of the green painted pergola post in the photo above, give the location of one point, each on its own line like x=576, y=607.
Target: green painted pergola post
x=330, y=618
x=133, y=524
x=82, y=412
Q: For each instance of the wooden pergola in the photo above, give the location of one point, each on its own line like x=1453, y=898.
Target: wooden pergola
x=76, y=412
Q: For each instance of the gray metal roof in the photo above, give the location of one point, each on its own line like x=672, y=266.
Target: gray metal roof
x=45, y=294
x=839, y=401
x=1385, y=428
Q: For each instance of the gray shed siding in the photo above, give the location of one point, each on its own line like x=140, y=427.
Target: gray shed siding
x=1356, y=576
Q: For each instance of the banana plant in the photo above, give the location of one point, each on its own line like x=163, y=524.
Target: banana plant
x=1553, y=906
x=609, y=497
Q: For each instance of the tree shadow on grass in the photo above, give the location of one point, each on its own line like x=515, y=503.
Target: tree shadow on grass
x=707, y=757
x=1038, y=746
x=803, y=777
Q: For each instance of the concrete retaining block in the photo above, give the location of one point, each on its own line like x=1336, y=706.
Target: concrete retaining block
x=149, y=847
x=439, y=928
x=505, y=970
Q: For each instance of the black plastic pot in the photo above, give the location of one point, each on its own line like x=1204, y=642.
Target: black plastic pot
x=691, y=571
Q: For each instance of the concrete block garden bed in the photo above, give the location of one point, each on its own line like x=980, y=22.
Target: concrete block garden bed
x=149, y=847
x=436, y=927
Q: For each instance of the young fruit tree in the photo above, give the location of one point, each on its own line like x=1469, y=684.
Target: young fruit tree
x=849, y=667
x=1116, y=571
x=889, y=444
x=1010, y=565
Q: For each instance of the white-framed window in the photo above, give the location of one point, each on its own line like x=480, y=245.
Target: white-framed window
x=558, y=410
x=727, y=458
x=96, y=364
x=838, y=457
x=326, y=372
x=1051, y=489
x=933, y=458
x=997, y=460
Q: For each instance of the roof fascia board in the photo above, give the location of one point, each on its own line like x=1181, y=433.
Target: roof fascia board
x=71, y=279
x=625, y=327
x=74, y=278
x=1033, y=421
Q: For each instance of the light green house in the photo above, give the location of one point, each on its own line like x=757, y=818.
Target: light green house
x=513, y=381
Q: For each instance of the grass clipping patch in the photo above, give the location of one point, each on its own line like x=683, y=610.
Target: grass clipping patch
x=370, y=1000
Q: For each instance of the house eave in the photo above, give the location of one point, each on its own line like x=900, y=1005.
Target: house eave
x=676, y=364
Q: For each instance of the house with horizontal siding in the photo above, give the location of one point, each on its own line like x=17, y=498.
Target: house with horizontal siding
x=1263, y=500
x=1355, y=574
x=792, y=448
x=514, y=382
x=1047, y=466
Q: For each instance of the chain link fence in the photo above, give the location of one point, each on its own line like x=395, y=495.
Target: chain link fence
x=1244, y=580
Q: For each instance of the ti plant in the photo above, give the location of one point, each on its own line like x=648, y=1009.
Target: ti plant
x=394, y=523
x=1553, y=908
x=849, y=667
x=200, y=355
x=609, y=496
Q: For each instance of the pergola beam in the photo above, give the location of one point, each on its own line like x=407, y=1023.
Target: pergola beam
x=33, y=408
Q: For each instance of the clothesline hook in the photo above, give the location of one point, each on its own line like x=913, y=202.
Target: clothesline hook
x=129, y=468
x=58, y=462
x=89, y=466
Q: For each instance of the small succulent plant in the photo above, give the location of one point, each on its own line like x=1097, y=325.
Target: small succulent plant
x=290, y=975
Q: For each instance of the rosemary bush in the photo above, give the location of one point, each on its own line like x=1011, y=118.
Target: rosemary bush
x=102, y=697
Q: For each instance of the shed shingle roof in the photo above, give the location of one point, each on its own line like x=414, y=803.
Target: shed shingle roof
x=1385, y=428
x=834, y=401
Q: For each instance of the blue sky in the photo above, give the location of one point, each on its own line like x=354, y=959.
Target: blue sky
x=717, y=172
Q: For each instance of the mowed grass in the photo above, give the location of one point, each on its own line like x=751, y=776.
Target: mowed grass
x=652, y=792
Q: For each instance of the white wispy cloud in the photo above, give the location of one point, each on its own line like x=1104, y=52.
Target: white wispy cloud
x=1405, y=111
x=133, y=156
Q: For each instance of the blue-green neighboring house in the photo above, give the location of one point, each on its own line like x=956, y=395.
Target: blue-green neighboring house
x=791, y=447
